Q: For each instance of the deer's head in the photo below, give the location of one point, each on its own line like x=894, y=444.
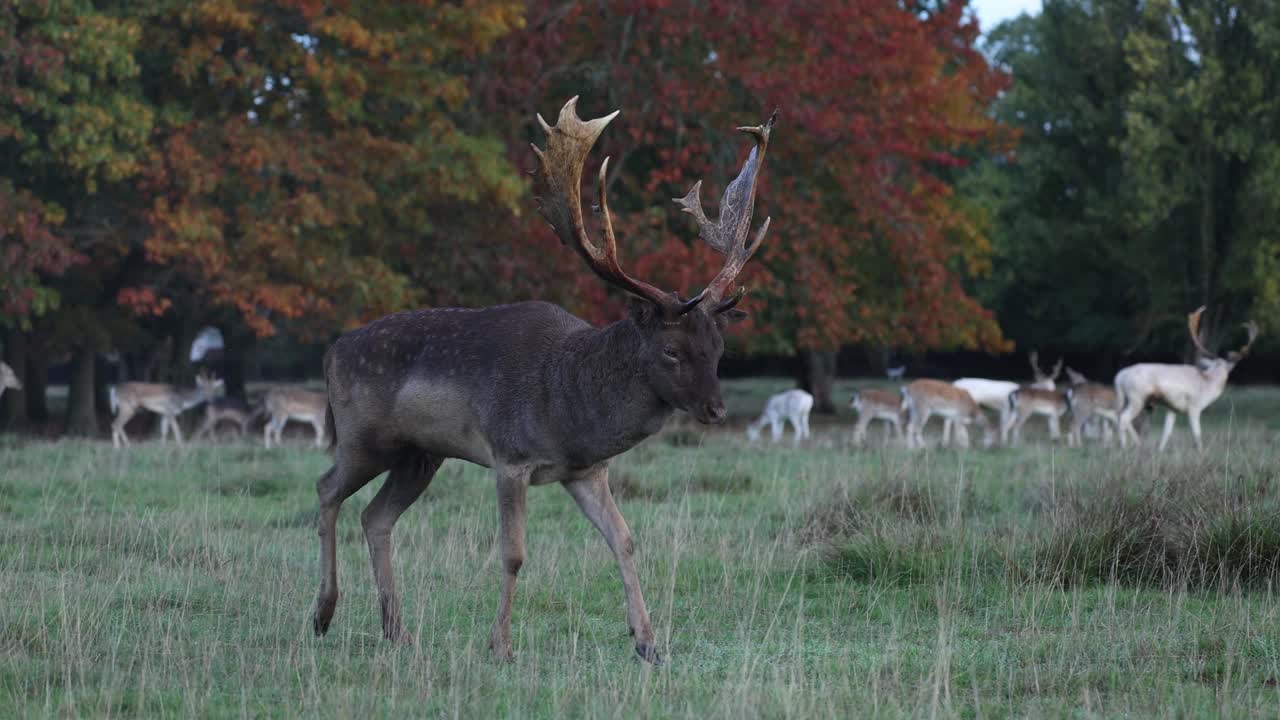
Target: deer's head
x=682, y=340
x=208, y=385
x=1210, y=363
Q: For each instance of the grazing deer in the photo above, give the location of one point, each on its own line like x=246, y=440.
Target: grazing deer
x=1090, y=402
x=895, y=373
x=166, y=401
x=285, y=404
x=228, y=409
x=1029, y=401
x=990, y=394
x=924, y=398
x=8, y=379
x=1179, y=388
x=873, y=404
x=530, y=390
x=792, y=406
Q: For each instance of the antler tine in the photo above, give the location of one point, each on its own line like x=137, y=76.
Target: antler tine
x=568, y=143
x=728, y=233
x=1034, y=357
x=1193, y=323
x=1057, y=370
x=1252, y=328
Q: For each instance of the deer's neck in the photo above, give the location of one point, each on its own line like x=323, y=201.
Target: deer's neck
x=601, y=397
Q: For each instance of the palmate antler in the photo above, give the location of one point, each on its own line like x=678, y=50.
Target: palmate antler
x=561, y=171
x=1193, y=324
x=560, y=165
x=728, y=233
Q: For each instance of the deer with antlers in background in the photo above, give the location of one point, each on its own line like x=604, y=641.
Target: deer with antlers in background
x=529, y=390
x=166, y=401
x=1179, y=388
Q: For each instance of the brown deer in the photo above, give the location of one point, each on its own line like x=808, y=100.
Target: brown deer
x=236, y=411
x=923, y=399
x=166, y=401
x=875, y=404
x=284, y=404
x=530, y=390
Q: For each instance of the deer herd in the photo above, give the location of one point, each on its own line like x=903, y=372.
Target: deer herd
x=542, y=397
x=1111, y=409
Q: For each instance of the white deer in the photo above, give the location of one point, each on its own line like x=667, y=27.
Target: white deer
x=792, y=406
x=1179, y=388
x=8, y=379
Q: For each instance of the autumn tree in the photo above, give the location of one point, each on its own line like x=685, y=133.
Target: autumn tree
x=73, y=128
x=878, y=103
x=306, y=149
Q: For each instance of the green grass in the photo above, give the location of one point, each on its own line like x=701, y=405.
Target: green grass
x=822, y=581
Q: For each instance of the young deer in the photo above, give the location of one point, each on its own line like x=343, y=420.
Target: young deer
x=228, y=409
x=166, y=401
x=925, y=398
x=8, y=379
x=1090, y=402
x=530, y=390
x=792, y=406
x=1179, y=388
x=1029, y=401
x=285, y=404
x=873, y=404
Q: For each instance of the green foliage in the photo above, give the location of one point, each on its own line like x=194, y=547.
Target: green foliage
x=1146, y=179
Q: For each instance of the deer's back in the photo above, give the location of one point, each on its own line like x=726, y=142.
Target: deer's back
x=445, y=380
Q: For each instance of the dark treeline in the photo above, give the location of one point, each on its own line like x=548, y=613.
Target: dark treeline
x=286, y=170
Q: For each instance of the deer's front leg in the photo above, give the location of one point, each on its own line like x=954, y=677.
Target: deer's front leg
x=513, y=483
x=592, y=494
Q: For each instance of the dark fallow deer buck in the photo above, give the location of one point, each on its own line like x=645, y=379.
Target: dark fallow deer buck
x=530, y=390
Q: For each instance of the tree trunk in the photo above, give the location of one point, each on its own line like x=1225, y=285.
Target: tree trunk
x=82, y=418
x=13, y=402
x=37, y=388
x=101, y=382
x=817, y=373
x=236, y=352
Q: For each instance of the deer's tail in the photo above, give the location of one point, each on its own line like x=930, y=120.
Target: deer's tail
x=114, y=400
x=330, y=428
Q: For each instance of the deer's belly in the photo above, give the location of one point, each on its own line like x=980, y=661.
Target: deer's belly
x=440, y=420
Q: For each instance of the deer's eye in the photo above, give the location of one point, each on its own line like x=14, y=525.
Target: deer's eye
x=670, y=355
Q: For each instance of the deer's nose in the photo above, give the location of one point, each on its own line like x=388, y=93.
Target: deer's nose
x=714, y=412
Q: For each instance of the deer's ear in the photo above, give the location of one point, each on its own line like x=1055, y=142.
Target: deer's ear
x=730, y=316
x=643, y=312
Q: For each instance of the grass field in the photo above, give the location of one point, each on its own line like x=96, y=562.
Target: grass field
x=822, y=581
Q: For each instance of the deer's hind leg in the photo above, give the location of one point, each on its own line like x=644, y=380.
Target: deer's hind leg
x=350, y=472
x=408, y=478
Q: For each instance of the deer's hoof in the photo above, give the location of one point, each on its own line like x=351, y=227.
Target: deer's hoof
x=501, y=651
x=649, y=654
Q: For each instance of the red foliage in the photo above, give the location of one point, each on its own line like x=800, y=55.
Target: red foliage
x=878, y=104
